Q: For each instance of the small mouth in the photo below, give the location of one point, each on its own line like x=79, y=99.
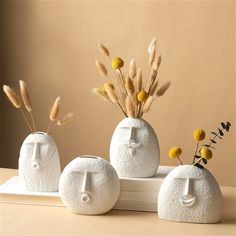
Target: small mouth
x=187, y=200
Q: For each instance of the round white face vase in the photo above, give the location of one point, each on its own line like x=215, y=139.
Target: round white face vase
x=190, y=194
x=39, y=163
x=134, y=149
x=89, y=185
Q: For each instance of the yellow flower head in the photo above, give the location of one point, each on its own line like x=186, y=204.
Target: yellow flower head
x=103, y=87
x=142, y=96
x=117, y=63
x=175, y=152
x=199, y=134
x=206, y=153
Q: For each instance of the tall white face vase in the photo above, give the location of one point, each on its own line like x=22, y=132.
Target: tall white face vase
x=190, y=194
x=134, y=149
x=89, y=185
x=39, y=163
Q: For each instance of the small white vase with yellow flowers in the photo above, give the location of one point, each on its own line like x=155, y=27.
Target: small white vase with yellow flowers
x=134, y=148
x=190, y=193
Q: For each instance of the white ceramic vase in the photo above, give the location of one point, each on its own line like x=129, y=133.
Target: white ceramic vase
x=190, y=194
x=39, y=164
x=134, y=149
x=89, y=185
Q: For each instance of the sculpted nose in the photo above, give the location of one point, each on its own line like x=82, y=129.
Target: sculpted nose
x=85, y=188
x=188, y=199
x=35, y=157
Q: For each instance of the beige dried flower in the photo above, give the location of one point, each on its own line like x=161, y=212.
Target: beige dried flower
x=129, y=107
x=129, y=85
x=132, y=69
x=163, y=89
x=103, y=49
x=101, y=68
x=65, y=119
x=55, y=109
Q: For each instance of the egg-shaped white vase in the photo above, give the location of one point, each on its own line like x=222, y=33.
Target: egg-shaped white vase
x=190, y=194
x=39, y=164
x=89, y=185
x=134, y=149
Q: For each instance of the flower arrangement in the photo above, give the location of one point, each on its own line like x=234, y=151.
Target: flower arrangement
x=204, y=153
x=129, y=92
x=14, y=98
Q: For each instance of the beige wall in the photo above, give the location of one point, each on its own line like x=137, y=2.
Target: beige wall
x=52, y=46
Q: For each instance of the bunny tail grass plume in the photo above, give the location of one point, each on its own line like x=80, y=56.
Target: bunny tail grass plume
x=129, y=85
x=15, y=100
x=132, y=69
x=154, y=87
x=139, y=80
x=101, y=94
x=26, y=100
x=147, y=104
x=101, y=68
x=55, y=109
x=103, y=49
x=111, y=93
x=152, y=44
x=163, y=89
x=152, y=55
x=12, y=96
x=157, y=63
x=65, y=119
x=129, y=107
x=25, y=95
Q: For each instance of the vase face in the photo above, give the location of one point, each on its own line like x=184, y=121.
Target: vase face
x=134, y=149
x=39, y=163
x=190, y=194
x=89, y=185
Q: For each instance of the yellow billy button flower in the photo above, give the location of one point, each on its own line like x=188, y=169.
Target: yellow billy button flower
x=206, y=153
x=199, y=134
x=175, y=152
x=104, y=85
x=117, y=63
x=142, y=96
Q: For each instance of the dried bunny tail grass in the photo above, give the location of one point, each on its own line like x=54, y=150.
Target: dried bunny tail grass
x=163, y=89
x=111, y=93
x=152, y=55
x=101, y=68
x=65, y=119
x=147, y=104
x=101, y=94
x=129, y=85
x=152, y=44
x=157, y=63
x=55, y=109
x=139, y=80
x=129, y=107
x=132, y=69
x=25, y=95
x=153, y=88
x=103, y=49
x=12, y=96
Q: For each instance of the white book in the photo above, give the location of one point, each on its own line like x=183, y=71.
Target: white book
x=138, y=194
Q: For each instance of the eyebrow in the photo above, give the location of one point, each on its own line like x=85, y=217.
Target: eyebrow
x=187, y=178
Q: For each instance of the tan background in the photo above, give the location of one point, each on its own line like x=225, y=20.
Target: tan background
x=52, y=46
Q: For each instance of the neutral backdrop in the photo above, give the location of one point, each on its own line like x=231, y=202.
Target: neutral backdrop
x=52, y=45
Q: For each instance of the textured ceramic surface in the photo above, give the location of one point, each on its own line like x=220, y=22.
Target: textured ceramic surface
x=134, y=149
x=39, y=163
x=190, y=194
x=89, y=185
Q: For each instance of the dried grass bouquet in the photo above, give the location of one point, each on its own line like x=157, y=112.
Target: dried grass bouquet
x=16, y=102
x=132, y=94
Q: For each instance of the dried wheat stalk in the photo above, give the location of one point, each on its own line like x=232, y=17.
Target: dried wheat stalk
x=103, y=49
x=26, y=100
x=147, y=104
x=54, y=112
x=129, y=85
x=129, y=107
x=65, y=119
x=101, y=68
x=160, y=92
x=132, y=69
x=101, y=94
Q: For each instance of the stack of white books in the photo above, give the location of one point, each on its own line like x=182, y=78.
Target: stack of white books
x=139, y=194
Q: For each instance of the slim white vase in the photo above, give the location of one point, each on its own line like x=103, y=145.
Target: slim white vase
x=134, y=149
x=39, y=163
x=89, y=185
x=190, y=194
